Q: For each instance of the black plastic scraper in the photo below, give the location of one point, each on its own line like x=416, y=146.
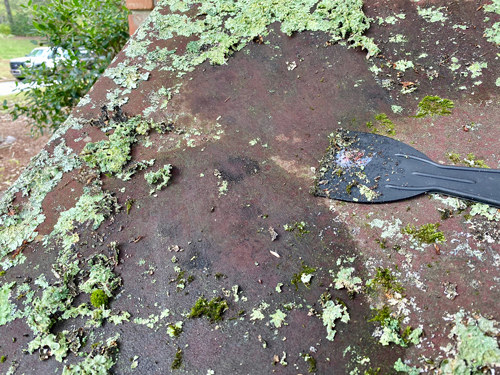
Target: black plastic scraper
x=365, y=167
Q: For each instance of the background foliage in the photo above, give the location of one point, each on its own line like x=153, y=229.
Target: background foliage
x=22, y=25
x=97, y=26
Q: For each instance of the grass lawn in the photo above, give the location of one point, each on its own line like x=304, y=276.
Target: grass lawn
x=11, y=47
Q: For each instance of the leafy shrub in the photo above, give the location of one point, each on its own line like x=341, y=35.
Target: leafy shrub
x=4, y=29
x=98, y=27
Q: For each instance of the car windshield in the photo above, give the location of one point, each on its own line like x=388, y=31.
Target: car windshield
x=36, y=52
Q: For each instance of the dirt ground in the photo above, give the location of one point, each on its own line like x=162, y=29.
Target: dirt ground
x=15, y=154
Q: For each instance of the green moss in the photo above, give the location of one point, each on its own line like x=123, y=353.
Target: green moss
x=177, y=362
x=434, y=105
x=373, y=371
x=454, y=157
x=474, y=162
x=3, y=359
x=386, y=280
x=299, y=228
x=381, y=315
x=301, y=276
x=2, y=273
x=98, y=298
x=311, y=361
x=128, y=205
x=427, y=233
x=213, y=309
x=382, y=243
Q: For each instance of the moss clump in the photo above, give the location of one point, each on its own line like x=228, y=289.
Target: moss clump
x=302, y=275
x=434, y=105
x=380, y=315
x=372, y=371
x=427, y=233
x=476, y=163
x=469, y=160
x=311, y=361
x=98, y=298
x=212, y=309
x=454, y=157
x=3, y=359
x=382, y=243
x=177, y=362
x=385, y=279
x=299, y=228
x=2, y=273
x=128, y=205
x=386, y=125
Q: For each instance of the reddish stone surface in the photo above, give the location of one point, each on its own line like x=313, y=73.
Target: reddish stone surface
x=292, y=112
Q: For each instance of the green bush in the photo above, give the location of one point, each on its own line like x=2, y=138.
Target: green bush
x=4, y=29
x=97, y=26
x=23, y=25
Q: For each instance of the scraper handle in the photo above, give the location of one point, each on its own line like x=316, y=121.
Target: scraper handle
x=476, y=184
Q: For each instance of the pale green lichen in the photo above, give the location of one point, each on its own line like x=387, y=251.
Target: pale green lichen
x=402, y=367
x=6, y=308
x=432, y=14
x=160, y=178
x=345, y=279
x=403, y=65
x=399, y=38
x=257, y=313
x=491, y=213
x=229, y=26
x=136, y=48
x=116, y=97
x=454, y=64
x=174, y=330
x=39, y=178
x=89, y=208
x=101, y=276
x=396, y=108
x=98, y=362
x=476, y=68
x=126, y=75
x=112, y=154
x=492, y=33
x=475, y=345
x=331, y=312
x=391, y=20
x=132, y=168
x=278, y=318
x=391, y=333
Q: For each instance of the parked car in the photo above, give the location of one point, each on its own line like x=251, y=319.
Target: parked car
x=37, y=57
